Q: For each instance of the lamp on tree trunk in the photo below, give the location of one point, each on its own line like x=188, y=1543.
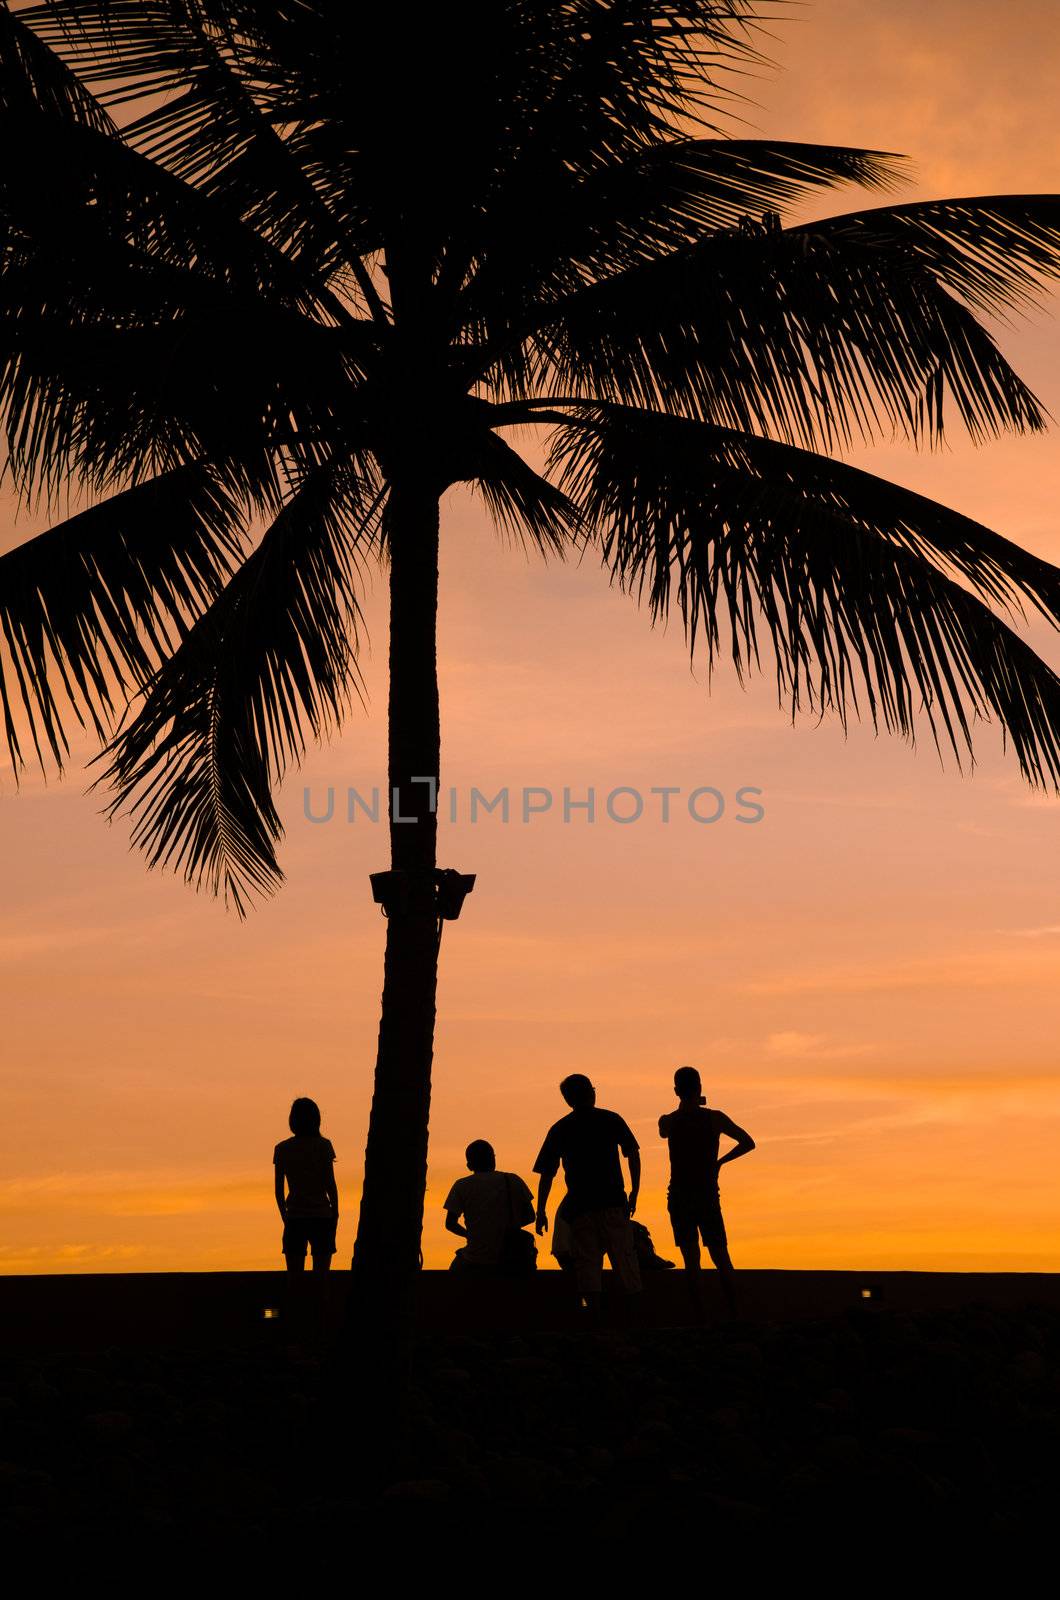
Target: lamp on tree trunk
x=394, y=890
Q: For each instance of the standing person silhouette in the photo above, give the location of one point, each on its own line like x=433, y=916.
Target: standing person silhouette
x=310, y=1208
x=694, y=1199
x=588, y=1142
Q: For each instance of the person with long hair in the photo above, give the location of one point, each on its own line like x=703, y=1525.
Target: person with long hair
x=306, y=1192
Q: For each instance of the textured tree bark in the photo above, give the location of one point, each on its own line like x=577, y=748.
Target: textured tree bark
x=387, y=1252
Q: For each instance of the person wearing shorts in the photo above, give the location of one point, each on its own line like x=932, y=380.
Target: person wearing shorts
x=693, y=1199
x=306, y=1193
x=587, y=1143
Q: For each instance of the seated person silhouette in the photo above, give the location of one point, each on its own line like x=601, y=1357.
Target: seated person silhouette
x=494, y=1206
x=693, y=1198
x=310, y=1208
x=587, y=1142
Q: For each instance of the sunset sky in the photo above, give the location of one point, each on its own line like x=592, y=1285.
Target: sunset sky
x=866, y=978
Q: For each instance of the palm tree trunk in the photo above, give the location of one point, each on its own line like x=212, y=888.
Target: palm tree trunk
x=387, y=1252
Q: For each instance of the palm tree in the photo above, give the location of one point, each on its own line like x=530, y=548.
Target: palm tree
x=277, y=273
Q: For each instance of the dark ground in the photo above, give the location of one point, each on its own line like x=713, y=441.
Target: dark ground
x=940, y=1425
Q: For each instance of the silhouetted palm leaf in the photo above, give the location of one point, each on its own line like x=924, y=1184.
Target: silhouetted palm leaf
x=522, y=502
x=142, y=327
x=97, y=603
x=637, y=208
x=71, y=177
x=36, y=79
x=848, y=576
x=809, y=337
x=992, y=250
x=272, y=243
x=273, y=656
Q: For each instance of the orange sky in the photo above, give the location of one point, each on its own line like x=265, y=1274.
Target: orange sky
x=867, y=978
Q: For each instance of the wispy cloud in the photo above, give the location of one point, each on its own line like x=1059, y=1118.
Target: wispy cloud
x=793, y=1045
x=162, y=1193
x=67, y=1257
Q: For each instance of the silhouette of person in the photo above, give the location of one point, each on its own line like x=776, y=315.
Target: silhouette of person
x=694, y=1198
x=587, y=1142
x=650, y=1260
x=492, y=1204
x=310, y=1208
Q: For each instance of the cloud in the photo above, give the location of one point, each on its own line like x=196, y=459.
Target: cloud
x=796, y=1046
x=1031, y=933
x=23, y=1259
x=163, y=1193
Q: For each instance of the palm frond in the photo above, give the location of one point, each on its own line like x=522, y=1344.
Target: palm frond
x=853, y=581
x=103, y=404
x=77, y=185
x=114, y=364
x=544, y=98
x=523, y=503
x=179, y=317
x=811, y=339
x=716, y=182
x=228, y=712
x=207, y=91
x=995, y=251
x=647, y=204
x=89, y=608
x=33, y=77
x=595, y=80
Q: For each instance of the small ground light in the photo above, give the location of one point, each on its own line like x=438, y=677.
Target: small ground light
x=870, y=1291
x=270, y=1312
